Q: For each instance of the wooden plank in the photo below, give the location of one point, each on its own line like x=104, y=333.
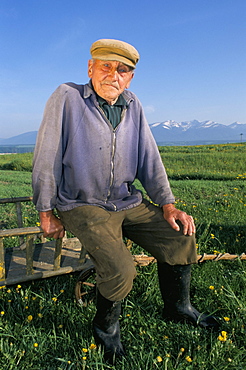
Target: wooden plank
x=220, y=257
x=82, y=256
x=2, y=261
x=143, y=260
x=58, y=252
x=20, y=231
x=29, y=255
x=15, y=200
x=19, y=219
x=19, y=214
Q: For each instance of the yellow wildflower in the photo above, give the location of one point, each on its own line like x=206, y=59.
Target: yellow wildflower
x=35, y=345
x=221, y=339
x=2, y=313
x=29, y=318
x=84, y=350
x=159, y=359
x=211, y=287
x=223, y=336
x=227, y=319
x=92, y=346
x=188, y=359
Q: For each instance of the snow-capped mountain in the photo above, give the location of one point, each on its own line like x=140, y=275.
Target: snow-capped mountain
x=197, y=131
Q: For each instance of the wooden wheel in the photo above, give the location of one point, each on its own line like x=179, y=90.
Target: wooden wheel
x=85, y=288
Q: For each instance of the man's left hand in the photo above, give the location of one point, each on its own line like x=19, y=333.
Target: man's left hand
x=172, y=214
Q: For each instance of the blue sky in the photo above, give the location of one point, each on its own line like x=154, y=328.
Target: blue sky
x=192, y=64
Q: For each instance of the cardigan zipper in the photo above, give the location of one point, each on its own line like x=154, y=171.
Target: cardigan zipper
x=111, y=180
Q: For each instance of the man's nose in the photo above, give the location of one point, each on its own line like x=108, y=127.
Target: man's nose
x=113, y=72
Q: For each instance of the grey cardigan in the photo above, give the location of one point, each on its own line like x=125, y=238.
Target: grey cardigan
x=80, y=159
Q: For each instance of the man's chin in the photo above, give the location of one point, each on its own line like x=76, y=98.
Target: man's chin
x=110, y=97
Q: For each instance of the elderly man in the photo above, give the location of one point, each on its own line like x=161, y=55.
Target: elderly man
x=93, y=143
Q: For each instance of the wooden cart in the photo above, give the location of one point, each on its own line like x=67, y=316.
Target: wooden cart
x=38, y=258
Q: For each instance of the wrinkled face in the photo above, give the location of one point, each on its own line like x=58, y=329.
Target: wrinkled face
x=109, y=78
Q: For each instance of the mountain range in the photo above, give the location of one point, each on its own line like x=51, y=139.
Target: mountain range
x=169, y=132
x=197, y=131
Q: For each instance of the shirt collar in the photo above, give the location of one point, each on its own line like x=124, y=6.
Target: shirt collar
x=120, y=101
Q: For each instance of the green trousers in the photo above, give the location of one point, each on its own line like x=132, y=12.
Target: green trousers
x=101, y=233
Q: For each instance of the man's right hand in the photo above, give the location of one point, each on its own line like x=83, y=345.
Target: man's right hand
x=51, y=225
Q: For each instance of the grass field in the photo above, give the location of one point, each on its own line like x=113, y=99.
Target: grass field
x=43, y=328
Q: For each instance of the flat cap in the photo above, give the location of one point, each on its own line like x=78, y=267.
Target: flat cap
x=110, y=49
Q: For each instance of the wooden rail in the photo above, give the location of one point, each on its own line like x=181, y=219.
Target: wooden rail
x=143, y=260
x=17, y=201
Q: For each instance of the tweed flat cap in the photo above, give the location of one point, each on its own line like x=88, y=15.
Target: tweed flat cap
x=110, y=49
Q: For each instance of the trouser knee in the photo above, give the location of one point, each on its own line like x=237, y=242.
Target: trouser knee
x=117, y=287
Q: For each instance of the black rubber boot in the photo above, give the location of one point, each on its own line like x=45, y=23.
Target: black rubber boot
x=175, y=289
x=106, y=328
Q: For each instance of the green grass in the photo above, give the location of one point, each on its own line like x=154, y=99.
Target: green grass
x=16, y=162
x=209, y=183
x=214, y=162
x=62, y=330
x=219, y=209
x=15, y=184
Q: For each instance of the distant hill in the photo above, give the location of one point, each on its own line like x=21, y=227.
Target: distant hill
x=28, y=138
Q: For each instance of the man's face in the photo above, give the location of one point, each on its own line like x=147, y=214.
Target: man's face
x=109, y=78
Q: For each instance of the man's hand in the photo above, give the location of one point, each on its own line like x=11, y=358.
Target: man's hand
x=171, y=214
x=51, y=225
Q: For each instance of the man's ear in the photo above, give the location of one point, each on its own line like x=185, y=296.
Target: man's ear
x=128, y=84
x=90, y=64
